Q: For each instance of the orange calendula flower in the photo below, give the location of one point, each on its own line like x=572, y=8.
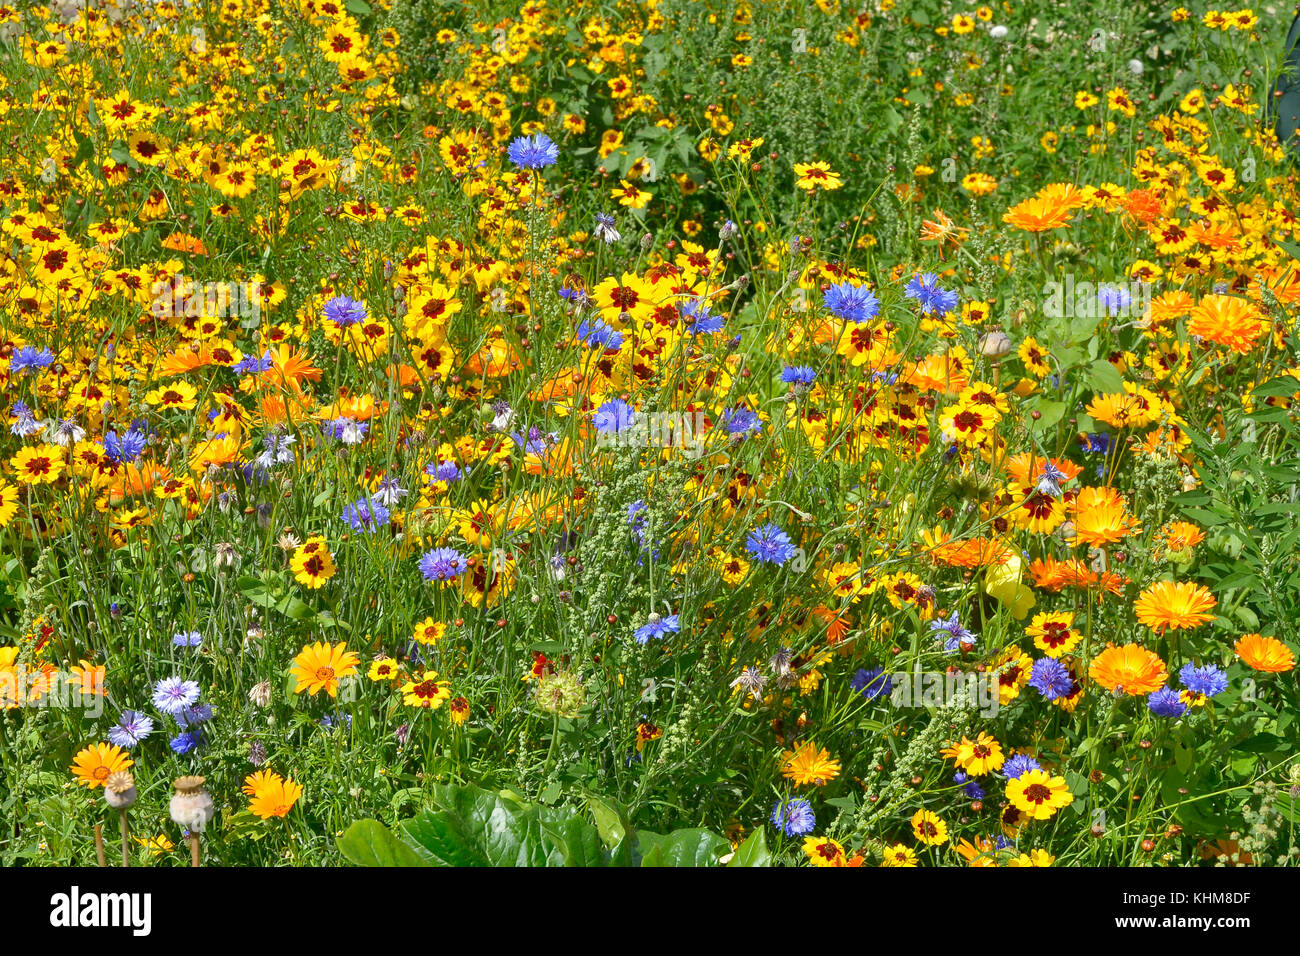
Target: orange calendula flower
x=272, y=795
x=1227, y=320
x=321, y=666
x=1100, y=517
x=1266, y=654
x=1038, y=214
x=96, y=763
x=1131, y=669
x=807, y=764
x=1174, y=605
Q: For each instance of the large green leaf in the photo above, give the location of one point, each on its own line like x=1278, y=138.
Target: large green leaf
x=691, y=847
x=370, y=843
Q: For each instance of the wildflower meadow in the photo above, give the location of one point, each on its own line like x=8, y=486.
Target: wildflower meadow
x=648, y=433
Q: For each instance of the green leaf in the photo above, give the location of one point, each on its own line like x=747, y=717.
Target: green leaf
x=753, y=852
x=370, y=843
x=1104, y=377
x=691, y=847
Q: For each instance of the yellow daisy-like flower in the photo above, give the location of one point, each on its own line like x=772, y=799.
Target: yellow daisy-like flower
x=899, y=855
x=1053, y=633
x=977, y=757
x=428, y=691
x=384, y=669
x=1039, y=795
x=823, y=851
x=38, y=465
x=429, y=631
x=312, y=563
x=928, y=828
x=96, y=763
x=807, y=764
x=819, y=175
x=1033, y=858
x=321, y=666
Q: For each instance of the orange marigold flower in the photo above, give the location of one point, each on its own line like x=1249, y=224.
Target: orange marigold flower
x=1131, y=669
x=1266, y=654
x=1227, y=320
x=1173, y=605
x=1038, y=214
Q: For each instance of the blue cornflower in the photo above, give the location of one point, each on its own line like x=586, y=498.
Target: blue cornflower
x=657, y=626
x=1166, y=703
x=872, y=683
x=1051, y=678
x=1207, y=679
x=443, y=564
x=605, y=229
x=770, y=544
x=132, y=728
x=172, y=695
x=1096, y=443
x=446, y=471
x=699, y=319
x=193, y=716
x=925, y=288
x=1020, y=763
x=1114, y=299
x=126, y=449
x=343, y=311
x=187, y=639
x=533, y=152
x=25, y=422
x=29, y=357
x=599, y=335
x=972, y=789
x=613, y=417
x=350, y=431
x=389, y=492
x=742, y=422
x=1049, y=482
x=798, y=375
x=794, y=817
x=186, y=742
x=579, y=297
x=852, y=303
x=252, y=365
x=956, y=634
x=365, y=514
x=276, y=450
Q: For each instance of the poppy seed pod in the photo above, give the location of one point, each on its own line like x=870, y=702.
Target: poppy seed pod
x=119, y=790
x=192, y=806
x=995, y=345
